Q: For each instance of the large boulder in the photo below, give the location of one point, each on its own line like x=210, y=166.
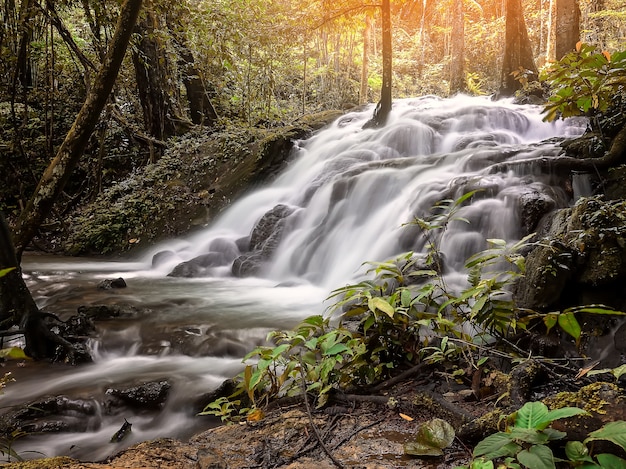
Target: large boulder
x=264, y=240
x=580, y=260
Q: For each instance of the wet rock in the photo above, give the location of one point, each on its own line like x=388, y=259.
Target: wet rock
x=109, y=284
x=150, y=395
x=198, y=266
x=266, y=228
x=162, y=257
x=580, y=260
x=103, y=312
x=247, y=264
x=264, y=240
x=51, y=415
x=534, y=204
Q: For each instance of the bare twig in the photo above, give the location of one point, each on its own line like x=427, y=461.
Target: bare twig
x=313, y=426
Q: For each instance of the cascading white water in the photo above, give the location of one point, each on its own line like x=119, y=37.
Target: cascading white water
x=350, y=190
x=344, y=198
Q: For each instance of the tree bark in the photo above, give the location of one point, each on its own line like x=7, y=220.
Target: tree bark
x=67, y=36
x=201, y=109
x=518, y=53
x=381, y=113
x=17, y=307
x=457, y=62
x=161, y=111
x=567, y=27
x=367, y=36
x=58, y=172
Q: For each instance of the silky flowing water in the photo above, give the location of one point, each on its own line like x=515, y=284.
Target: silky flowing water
x=349, y=193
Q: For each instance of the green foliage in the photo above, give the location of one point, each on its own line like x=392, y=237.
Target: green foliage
x=3, y=272
x=585, y=82
x=525, y=443
x=405, y=314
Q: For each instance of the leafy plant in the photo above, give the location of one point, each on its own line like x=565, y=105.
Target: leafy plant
x=584, y=82
x=526, y=440
x=525, y=443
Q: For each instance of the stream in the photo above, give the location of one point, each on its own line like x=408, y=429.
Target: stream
x=344, y=199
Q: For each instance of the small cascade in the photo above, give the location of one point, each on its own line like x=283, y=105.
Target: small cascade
x=196, y=305
x=349, y=192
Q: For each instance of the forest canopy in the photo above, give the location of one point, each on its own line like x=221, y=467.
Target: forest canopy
x=244, y=63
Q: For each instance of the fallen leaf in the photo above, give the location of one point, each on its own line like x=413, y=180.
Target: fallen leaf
x=406, y=417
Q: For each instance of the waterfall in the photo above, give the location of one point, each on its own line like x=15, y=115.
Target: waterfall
x=345, y=198
x=349, y=192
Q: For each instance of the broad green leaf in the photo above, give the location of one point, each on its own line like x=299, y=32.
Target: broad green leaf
x=496, y=446
x=569, y=324
x=615, y=432
x=529, y=435
x=481, y=463
x=316, y=320
x=577, y=451
x=336, y=349
x=537, y=457
x=610, y=461
x=563, y=413
x=380, y=304
x=532, y=415
x=405, y=298
x=619, y=371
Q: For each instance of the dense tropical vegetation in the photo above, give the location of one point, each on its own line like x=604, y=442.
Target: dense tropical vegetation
x=94, y=91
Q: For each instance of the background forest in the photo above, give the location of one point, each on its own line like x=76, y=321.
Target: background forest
x=239, y=63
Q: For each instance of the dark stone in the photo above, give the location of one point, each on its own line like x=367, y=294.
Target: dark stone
x=197, y=267
x=580, y=260
x=264, y=240
x=267, y=226
x=148, y=395
x=102, y=312
x=227, y=247
x=109, y=284
x=248, y=264
x=162, y=257
x=534, y=204
x=243, y=244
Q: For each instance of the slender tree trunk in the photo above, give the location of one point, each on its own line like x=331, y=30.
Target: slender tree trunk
x=201, y=109
x=58, y=172
x=384, y=105
x=457, y=63
x=550, y=37
x=23, y=73
x=17, y=307
x=367, y=37
x=567, y=27
x=161, y=112
x=67, y=36
x=518, y=52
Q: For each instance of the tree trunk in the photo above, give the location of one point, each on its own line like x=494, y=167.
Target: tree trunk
x=367, y=36
x=22, y=69
x=518, y=52
x=17, y=307
x=384, y=105
x=201, y=109
x=67, y=36
x=58, y=172
x=457, y=63
x=567, y=27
